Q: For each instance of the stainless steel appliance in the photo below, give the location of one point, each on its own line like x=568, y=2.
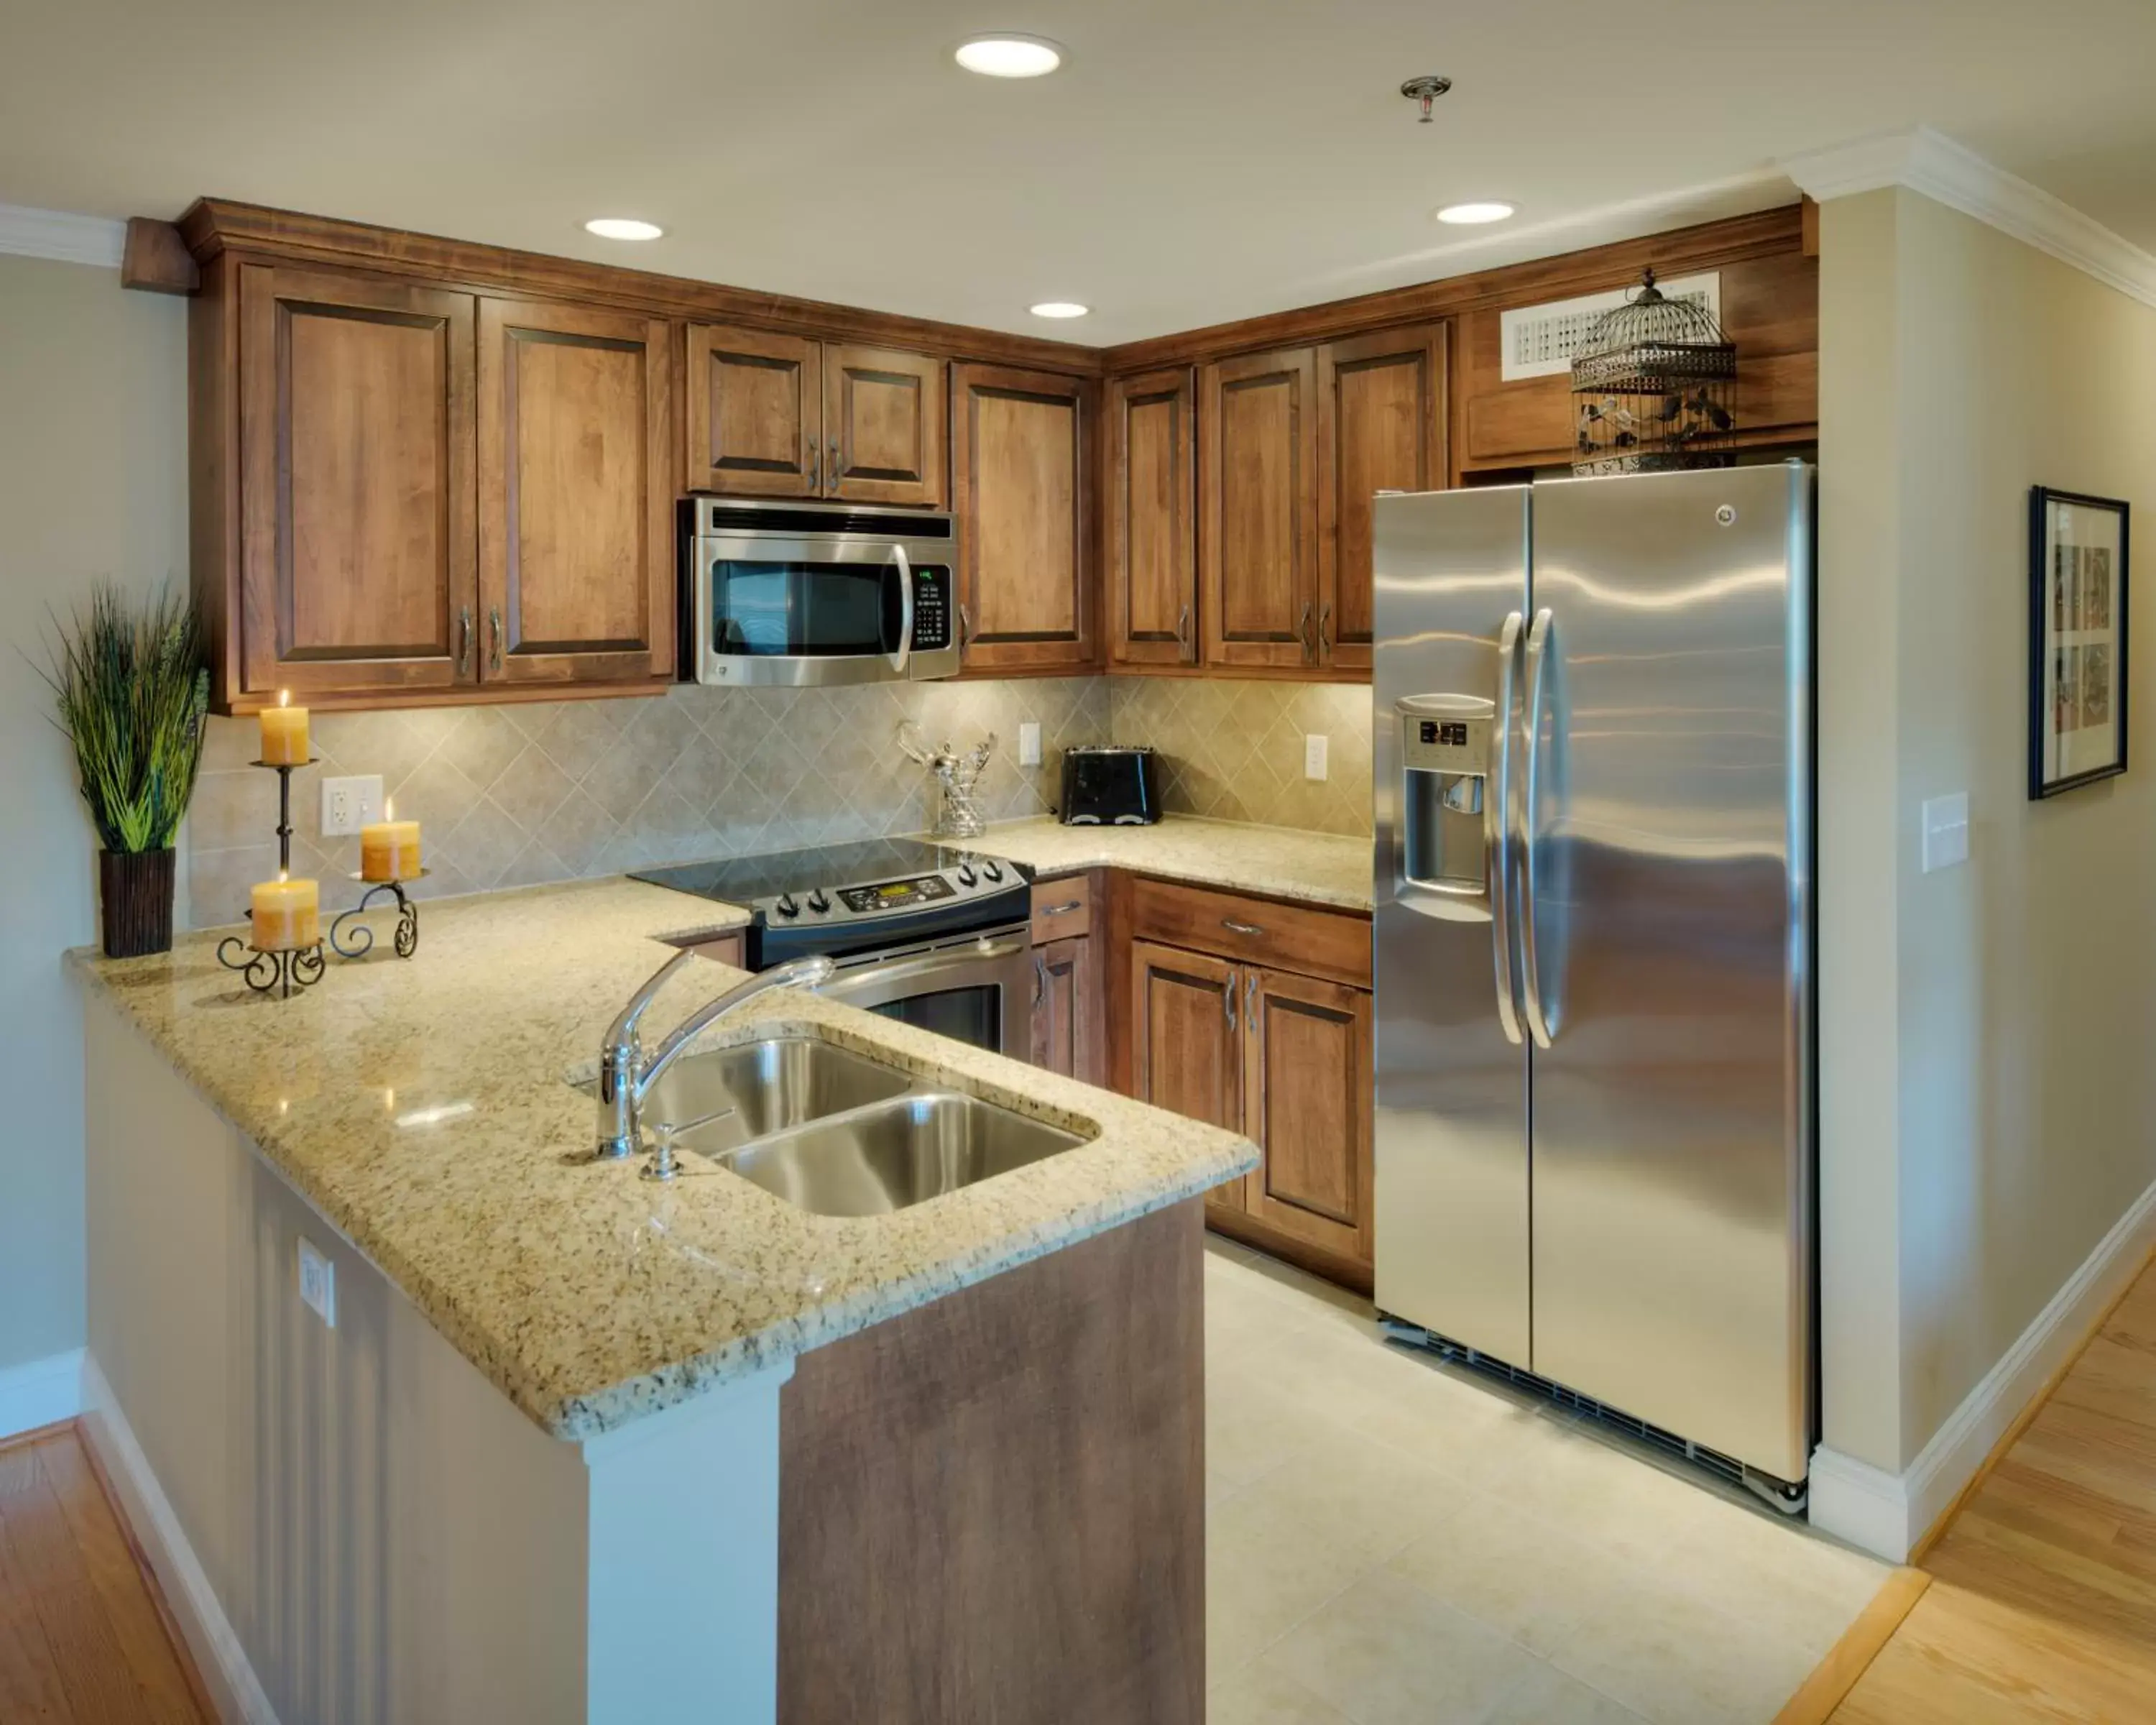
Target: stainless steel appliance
x=815, y=593
x=1593, y=805
x=922, y=933
x=1110, y=785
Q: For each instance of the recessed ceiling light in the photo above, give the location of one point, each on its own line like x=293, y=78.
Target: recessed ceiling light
x=1058, y=308
x=623, y=228
x=1472, y=215
x=1005, y=55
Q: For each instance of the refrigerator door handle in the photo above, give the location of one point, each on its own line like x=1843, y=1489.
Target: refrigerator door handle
x=1540, y=640
x=1497, y=832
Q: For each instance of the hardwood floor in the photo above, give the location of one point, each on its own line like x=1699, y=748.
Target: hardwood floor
x=2043, y=1596
x=82, y=1640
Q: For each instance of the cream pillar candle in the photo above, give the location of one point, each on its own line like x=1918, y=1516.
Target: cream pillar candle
x=286, y=914
x=389, y=848
x=284, y=733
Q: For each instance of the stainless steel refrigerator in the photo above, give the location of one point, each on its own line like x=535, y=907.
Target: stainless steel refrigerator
x=1592, y=745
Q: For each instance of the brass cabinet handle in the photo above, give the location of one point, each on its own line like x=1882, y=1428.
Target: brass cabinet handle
x=831, y=467
x=464, y=648
x=1234, y=927
x=1302, y=628
x=1183, y=631
x=1061, y=909
x=494, y=623
x=1324, y=631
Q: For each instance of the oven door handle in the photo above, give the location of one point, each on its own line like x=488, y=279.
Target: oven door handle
x=905, y=970
x=905, y=568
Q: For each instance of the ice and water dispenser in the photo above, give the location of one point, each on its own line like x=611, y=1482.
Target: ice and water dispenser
x=1445, y=824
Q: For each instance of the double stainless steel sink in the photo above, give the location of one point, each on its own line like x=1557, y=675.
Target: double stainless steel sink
x=836, y=1132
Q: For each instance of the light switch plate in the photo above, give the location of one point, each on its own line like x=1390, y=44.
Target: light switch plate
x=1028, y=744
x=317, y=1282
x=349, y=803
x=1316, y=746
x=1946, y=832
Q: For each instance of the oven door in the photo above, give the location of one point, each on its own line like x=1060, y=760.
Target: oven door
x=817, y=611
x=977, y=990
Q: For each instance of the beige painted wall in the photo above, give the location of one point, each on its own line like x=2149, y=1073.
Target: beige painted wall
x=1988, y=1107
x=93, y=484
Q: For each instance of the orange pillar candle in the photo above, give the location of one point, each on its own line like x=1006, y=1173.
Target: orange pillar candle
x=284, y=733
x=389, y=849
x=286, y=914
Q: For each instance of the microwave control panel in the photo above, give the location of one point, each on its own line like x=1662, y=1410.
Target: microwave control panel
x=931, y=610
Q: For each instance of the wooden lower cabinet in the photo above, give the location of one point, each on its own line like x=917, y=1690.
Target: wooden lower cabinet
x=1066, y=1009
x=1283, y=1058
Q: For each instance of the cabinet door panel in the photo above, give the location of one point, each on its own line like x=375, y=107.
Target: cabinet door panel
x=1152, y=522
x=1258, y=548
x=1381, y=428
x=1186, y=1055
x=576, y=539
x=884, y=412
x=1019, y=479
x=1066, y=1011
x=756, y=412
x=1307, y=1079
x=357, y=553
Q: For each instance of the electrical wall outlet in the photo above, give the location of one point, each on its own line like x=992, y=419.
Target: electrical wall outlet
x=1316, y=746
x=1028, y=744
x=349, y=803
x=1946, y=832
x=317, y=1282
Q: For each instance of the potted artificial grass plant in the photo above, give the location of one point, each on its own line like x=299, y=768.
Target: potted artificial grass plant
x=133, y=687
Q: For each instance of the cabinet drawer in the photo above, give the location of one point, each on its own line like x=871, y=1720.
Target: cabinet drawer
x=1062, y=907
x=1311, y=943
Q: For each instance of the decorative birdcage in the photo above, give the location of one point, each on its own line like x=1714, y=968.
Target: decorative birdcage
x=1652, y=385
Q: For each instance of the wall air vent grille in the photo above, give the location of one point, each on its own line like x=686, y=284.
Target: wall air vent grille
x=1539, y=340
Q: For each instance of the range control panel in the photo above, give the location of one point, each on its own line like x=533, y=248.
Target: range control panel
x=931, y=610
x=896, y=895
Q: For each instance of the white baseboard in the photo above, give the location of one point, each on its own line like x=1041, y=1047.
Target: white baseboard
x=1888, y=1513
x=234, y=1690
x=40, y=1392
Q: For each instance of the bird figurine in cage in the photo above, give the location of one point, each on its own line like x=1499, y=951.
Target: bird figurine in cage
x=1652, y=385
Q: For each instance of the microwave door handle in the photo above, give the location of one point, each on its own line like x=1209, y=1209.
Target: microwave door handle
x=904, y=610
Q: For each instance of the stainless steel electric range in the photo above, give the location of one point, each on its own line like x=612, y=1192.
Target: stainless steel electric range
x=924, y=933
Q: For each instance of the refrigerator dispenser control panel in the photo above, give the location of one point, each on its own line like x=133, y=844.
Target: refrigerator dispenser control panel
x=1445, y=745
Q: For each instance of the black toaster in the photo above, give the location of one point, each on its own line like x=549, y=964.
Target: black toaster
x=1108, y=785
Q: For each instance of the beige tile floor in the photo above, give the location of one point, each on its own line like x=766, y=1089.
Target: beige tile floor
x=1394, y=1543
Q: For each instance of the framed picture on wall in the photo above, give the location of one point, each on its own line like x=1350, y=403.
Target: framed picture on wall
x=2077, y=588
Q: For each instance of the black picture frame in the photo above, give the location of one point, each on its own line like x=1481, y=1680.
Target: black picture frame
x=2073, y=594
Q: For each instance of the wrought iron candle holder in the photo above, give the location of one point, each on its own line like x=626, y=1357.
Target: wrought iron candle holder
x=277, y=972
x=284, y=770
x=403, y=942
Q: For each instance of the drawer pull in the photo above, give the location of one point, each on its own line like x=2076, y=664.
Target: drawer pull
x=1064, y=910
x=1234, y=927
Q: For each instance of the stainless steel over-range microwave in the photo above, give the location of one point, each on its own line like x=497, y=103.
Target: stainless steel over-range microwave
x=808, y=593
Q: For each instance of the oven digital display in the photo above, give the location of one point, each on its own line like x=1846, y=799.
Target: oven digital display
x=895, y=895
x=1445, y=733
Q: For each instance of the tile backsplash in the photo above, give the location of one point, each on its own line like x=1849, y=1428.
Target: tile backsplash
x=518, y=794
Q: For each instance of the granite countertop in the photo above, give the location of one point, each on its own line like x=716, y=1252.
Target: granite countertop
x=421, y=1106
x=1320, y=868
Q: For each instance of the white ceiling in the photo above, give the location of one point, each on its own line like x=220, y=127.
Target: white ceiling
x=1192, y=162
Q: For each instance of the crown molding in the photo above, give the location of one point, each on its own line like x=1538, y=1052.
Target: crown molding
x=1926, y=161
x=66, y=238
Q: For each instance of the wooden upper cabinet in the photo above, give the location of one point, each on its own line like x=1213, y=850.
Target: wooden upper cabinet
x=755, y=411
x=1152, y=549
x=1380, y=428
x=356, y=554
x=576, y=487
x=1020, y=475
x=1308, y=1080
x=884, y=412
x=1258, y=510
